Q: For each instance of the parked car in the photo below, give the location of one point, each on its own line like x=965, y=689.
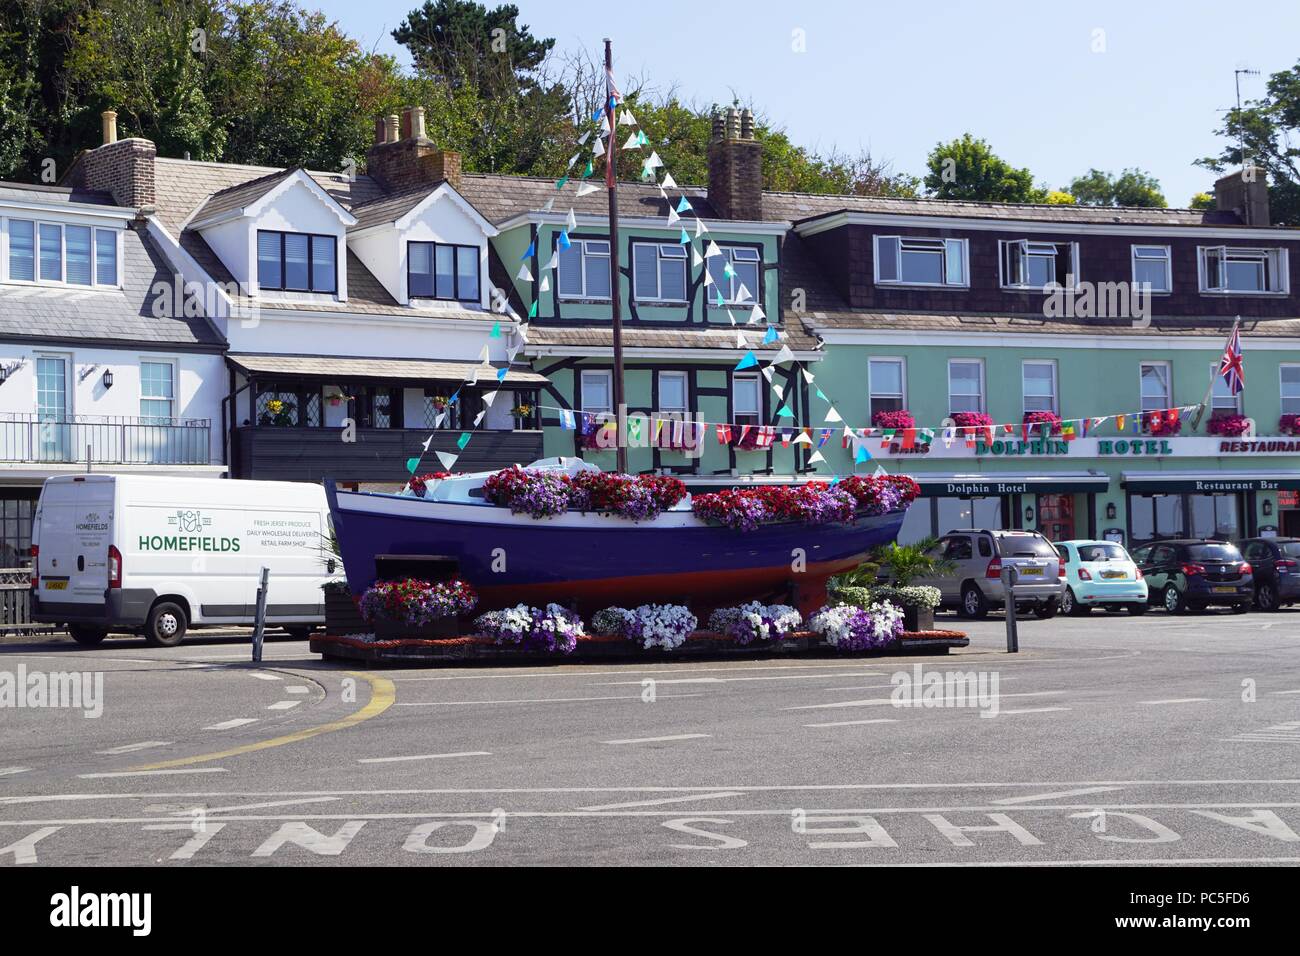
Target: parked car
x=974, y=586
x=1276, y=562
x=1196, y=573
x=1101, y=574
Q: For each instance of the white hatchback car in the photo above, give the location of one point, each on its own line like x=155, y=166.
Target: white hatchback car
x=1100, y=574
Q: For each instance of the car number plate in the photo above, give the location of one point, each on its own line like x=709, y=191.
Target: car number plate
x=1113, y=574
x=1222, y=589
x=1027, y=572
x=56, y=585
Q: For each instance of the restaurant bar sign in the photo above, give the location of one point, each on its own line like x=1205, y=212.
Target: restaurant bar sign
x=1222, y=485
x=1137, y=446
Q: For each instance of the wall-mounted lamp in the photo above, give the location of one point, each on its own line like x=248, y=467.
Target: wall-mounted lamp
x=1029, y=514
x=1111, y=512
x=108, y=378
x=1268, y=508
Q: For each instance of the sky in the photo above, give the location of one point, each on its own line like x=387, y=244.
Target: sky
x=1058, y=86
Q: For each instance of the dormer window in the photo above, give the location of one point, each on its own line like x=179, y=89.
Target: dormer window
x=1033, y=265
x=908, y=260
x=435, y=270
x=296, y=262
x=51, y=252
x=1242, y=270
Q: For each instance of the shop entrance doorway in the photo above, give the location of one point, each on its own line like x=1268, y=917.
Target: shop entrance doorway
x=1056, y=516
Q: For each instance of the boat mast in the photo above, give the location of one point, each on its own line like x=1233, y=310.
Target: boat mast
x=611, y=185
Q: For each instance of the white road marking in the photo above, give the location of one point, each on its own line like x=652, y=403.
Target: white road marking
x=1284, y=692
x=1026, y=710
x=1175, y=700
x=576, y=674
x=464, y=753
x=1053, y=796
x=856, y=723
x=263, y=675
x=284, y=704
x=729, y=680
x=655, y=740
x=534, y=700
x=881, y=701
x=10, y=771
x=664, y=800
x=230, y=724
x=131, y=748
x=150, y=773
x=263, y=806
x=296, y=689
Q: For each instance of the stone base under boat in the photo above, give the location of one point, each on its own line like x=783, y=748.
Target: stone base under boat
x=699, y=644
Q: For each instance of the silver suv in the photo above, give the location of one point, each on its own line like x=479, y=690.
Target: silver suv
x=974, y=586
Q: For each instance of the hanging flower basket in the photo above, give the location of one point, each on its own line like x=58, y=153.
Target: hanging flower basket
x=1229, y=426
x=972, y=420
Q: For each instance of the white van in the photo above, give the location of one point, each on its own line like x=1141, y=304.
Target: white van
x=155, y=555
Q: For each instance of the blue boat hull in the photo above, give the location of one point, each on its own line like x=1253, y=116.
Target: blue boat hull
x=595, y=561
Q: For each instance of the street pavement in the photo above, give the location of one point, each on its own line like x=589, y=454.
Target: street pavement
x=1158, y=740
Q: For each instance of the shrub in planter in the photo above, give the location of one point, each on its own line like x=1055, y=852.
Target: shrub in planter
x=416, y=607
x=650, y=625
x=1229, y=426
x=852, y=628
x=755, y=621
x=896, y=420
x=917, y=602
x=554, y=629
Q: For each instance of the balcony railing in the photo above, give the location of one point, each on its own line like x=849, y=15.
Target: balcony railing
x=104, y=440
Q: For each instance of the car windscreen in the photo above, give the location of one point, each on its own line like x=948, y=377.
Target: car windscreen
x=1102, y=552
x=1213, y=552
x=1291, y=548
x=1025, y=546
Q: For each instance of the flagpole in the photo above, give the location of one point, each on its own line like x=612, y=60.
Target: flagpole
x=611, y=184
x=1214, y=373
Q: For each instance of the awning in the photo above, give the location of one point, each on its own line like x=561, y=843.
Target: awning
x=338, y=368
x=976, y=486
x=1210, y=483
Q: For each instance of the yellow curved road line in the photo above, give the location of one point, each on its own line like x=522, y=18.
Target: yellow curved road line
x=382, y=695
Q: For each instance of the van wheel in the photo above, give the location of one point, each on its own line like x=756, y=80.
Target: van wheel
x=166, y=625
x=298, y=632
x=87, y=635
x=973, y=603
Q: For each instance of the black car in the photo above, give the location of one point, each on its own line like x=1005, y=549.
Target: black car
x=1277, y=570
x=1196, y=573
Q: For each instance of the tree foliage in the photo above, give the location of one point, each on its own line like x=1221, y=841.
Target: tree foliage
x=967, y=169
x=1132, y=187
x=1269, y=128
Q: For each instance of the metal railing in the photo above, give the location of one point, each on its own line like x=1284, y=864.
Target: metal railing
x=105, y=439
x=16, y=604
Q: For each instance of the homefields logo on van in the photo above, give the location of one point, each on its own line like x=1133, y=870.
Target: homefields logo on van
x=192, y=522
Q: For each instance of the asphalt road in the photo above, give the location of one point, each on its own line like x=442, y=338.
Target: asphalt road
x=1170, y=740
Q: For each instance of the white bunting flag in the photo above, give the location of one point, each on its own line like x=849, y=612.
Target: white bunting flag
x=815, y=457
x=554, y=260
x=599, y=149
x=472, y=378
x=573, y=159
x=479, y=417
x=785, y=355
x=546, y=284
x=483, y=356
x=571, y=220
x=699, y=228
x=808, y=376
x=447, y=459
x=740, y=341
x=708, y=279
x=437, y=422
x=672, y=215
x=732, y=316
x=525, y=274
x=803, y=439
x=632, y=142
x=427, y=442
x=880, y=470
x=696, y=258
x=832, y=415
x=488, y=399
x=626, y=118
x=780, y=391
x=549, y=205
x=743, y=294
x=654, y=162
x=669, y=182
x=582, y=140
x=586, y=189
x=759, y=314
x=767, y=373
x=712, y=250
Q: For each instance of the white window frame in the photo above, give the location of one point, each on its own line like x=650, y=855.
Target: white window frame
x=1274, y=258
x=729, y=297
x=1282, y=398
x=945, y=248
x=686, y=392
x=593, y=373
x=1168, y=260
x=983, y=396
x=95, y=230
x=1236, y=399
x=737, y=413
x=583, y=257
x=902, y=379
x=1169, y=385
x=69, y=381
x=677, y=254
x=1005, y=280
x=1056, y=385
x=175, y=398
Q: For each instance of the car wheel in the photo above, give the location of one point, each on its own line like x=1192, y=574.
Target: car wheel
x=1175, y=603
x=1240, y=608
x=1046, y=609
x=165, y=626
x=1266, y=597
x=1072, y=607
x=1138, y=609
x=973, y=602
x=87, y=635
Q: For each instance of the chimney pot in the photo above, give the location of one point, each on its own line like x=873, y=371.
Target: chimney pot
x=108, y=121
x=413, y=122
x=719, y=129
x=390, y=128
x=733, y=123
x=747, y=124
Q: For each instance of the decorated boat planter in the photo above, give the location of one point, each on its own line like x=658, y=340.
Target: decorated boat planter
x=560, y=531
x=417, y=609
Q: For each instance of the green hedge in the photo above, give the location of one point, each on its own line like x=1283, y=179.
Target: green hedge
x=913, y=596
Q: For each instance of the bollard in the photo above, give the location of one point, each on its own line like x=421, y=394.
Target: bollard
x=259, y=621
x=1009, y=578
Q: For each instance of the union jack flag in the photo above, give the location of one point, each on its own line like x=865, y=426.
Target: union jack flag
x=1231, y=366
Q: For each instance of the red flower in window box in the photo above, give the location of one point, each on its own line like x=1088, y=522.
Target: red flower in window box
x=419, y=484
x=972, y=420
x=1289, y=424
x=896, y=420
x=1229, y=425
x=1044, y=418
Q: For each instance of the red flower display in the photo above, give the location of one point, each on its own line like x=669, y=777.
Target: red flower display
x=1044, y=418
x=1289, y=424
x=419, y=485
x=972, y=420
x=1229, y=426
x=895, y=420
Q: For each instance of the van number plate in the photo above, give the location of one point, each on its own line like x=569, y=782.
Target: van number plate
x=56, y=585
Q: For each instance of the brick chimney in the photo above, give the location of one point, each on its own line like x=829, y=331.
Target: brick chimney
x=414, y=159
x=122, y=167
x=1244, y=192
x=735, y=166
